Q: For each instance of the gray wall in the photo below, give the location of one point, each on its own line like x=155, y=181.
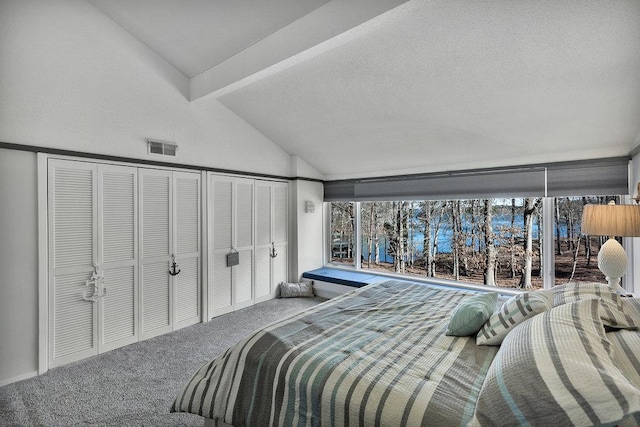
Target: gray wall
x=18, y=264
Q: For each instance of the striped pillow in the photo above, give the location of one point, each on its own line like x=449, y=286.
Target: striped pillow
x=469, y=316
x=572, y=292
x=576, y=291
x=557, y=369
x=513, y=312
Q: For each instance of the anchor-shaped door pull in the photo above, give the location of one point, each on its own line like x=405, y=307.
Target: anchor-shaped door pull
x=174, y=267
x=95, y=285
x=273, y=252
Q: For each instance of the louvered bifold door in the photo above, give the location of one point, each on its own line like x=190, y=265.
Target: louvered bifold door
x=187, y=249
x=155, y=213
x=263, y=276
x=117, y=254
x=72, y=259
x=280, y=232
x=244, y=237
x=221, y=243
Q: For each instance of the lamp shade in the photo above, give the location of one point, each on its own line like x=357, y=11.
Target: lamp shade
x=611, y=220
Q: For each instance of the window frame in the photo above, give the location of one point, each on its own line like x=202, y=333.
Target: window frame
x=548, y=273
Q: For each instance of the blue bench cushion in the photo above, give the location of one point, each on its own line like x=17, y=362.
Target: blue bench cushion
x=341, y=277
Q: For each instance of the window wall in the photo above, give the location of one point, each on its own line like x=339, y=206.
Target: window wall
x=497, y=242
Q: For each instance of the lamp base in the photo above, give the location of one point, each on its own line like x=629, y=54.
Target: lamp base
x=612, y=261
x=614, y=285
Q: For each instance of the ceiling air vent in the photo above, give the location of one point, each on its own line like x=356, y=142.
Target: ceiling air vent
x=162, y=147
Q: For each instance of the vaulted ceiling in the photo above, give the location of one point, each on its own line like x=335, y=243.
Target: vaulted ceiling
x=375, y=87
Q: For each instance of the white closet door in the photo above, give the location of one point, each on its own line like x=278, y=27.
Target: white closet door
x=280, y=233
x=156, y=305
x=280, y=212
x=244, y=237
x=263, y=241
x=221, y=243
x=117, y=254
x=187, y=248
x=280, y=273
x=73, y=322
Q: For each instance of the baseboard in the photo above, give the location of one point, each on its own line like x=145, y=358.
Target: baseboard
x=21, y=377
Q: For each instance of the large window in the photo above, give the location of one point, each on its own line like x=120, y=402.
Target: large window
x=484, y=241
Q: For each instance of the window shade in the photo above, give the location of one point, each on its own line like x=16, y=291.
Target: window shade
x=590, y=178
x=593, y=177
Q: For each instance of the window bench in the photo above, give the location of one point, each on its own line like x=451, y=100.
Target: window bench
x=330, y=282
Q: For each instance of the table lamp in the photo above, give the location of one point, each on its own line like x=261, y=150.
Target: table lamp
x=612, y=220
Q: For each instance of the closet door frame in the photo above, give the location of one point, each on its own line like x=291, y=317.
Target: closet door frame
x=44, y=310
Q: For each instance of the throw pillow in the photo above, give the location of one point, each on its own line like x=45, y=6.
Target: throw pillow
x=469, y=316
x=294, y=290
x=514, y=311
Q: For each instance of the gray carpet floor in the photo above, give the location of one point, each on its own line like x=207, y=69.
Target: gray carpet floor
x=136, y=384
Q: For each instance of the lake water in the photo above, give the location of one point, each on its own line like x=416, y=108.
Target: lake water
x=445, y=236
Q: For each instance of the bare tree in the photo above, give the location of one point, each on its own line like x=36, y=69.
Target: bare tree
x=490, y=248
x=530, y=206
x=512, y=239
x=427, y=245
x=456, y=227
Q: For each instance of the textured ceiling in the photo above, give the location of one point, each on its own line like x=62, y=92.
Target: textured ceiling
x=445, y=85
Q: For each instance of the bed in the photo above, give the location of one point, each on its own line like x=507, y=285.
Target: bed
x=380, y=356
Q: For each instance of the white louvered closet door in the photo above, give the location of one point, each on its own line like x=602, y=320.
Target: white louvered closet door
x=280, y=232
x=118, y=255
x=155, y=213
x=221, y=243
x=263, y=276
x=187, y=248
x=73, y=321
x=244, y=237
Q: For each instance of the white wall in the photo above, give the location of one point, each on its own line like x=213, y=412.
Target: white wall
x=306, y=228
x=71, y=78
x=19, y=265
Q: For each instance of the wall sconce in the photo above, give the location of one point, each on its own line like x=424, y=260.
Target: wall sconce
x=309, y=207
x=612, y=220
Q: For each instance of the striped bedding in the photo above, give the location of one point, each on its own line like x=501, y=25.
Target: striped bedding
x=376, y=356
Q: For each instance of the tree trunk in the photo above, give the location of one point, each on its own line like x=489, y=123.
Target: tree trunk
x=557, y=215
x=399, y=256
x=529, y=209
x=575, y=259
x=455, y=220
x=370, y=241
x=490, y=249
x=427, y=248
